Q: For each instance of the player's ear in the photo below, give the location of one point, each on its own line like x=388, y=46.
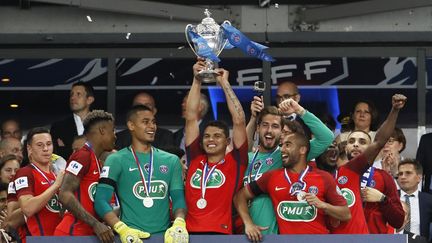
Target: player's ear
x=303, y=150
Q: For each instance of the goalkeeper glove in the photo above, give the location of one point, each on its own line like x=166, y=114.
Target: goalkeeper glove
x=129, y=235
x=177, y=233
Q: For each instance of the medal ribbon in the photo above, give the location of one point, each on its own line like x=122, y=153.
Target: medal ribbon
x=90, y=147
x=252, y=163
x=42, y=174
x=302, y=175
x=206, y=175
x=146, y=185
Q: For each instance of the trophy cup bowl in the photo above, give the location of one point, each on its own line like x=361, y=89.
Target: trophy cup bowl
x=213, y=34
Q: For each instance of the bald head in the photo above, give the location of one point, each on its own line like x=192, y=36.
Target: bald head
x=145, y=99
x=11, y=146
x=287, y=90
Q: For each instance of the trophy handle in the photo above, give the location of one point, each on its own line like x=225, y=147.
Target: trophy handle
x=188, y=40
x=226, y=40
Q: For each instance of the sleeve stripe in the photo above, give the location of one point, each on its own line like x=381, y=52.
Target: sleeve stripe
x=108, y=181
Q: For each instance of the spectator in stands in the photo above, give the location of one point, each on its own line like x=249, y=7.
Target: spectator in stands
x=13, y=146
x=389, y=157
x=424, y=157
x=82, y=174
x=163, y=138
x=364, y=117
x=78, y=142
x=303, y=196
x=179, y=135
x=80, y=99
x=10, y=128
x=420, y=203
x=412, y=238
x=213, y=176
x=361, y=152
x=287, y=90
x=36, y=185
x=144, y=178
x=9, y=165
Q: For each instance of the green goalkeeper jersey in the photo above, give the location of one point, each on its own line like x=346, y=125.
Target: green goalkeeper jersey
x=121, y=167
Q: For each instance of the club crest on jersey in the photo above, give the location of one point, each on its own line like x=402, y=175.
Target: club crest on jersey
x=147, y=167
x=257, y=164
x=158, y=190
x=92, y=191
x=349, y=196
x=269, y=161
x=54, y=204
x=216, y=180
x=295, y=211
x=342, y=180
x=313, y=190
x=163, y=169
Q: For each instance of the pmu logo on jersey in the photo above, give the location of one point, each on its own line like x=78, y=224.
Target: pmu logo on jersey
x=216, y=180
x=92, y=191
x=349, y=196
x=158, y=190
x=295, y=211
x=54, y=204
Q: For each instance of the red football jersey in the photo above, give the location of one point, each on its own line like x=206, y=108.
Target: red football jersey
x=223, y=183
x=294, y=216
x=379, y=215
x=84, y=165
x=30, y=181
x=348, y=179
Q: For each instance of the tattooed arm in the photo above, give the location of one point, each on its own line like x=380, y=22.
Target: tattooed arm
x=67, y=198
x=235, y=108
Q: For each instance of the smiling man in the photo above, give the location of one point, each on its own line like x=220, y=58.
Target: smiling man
x=213, y=176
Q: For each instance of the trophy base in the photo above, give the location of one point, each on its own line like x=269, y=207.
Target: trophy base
x=208, y=76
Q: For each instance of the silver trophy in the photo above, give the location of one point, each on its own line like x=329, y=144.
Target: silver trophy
x=210, y=31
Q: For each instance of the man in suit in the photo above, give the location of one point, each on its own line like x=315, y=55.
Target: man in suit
x=287, y=90
x=412, y=238
x=420, y=203
x=203, y=109
x=80, y=99
x=424, y=156
x=163, y=137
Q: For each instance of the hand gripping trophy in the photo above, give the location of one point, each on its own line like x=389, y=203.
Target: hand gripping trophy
x=208, y=40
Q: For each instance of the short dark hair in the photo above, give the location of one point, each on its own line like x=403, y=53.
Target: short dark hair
x=34, y=131
x=370, y=138
x=373, y=111
x=7, y=158
x=417, y=166
x=301, y=140
x=94, y=118
x=399, y=136
x=294, y=126
x=87, y=86
x=135, y=109
x=219, y=124
x=270, y=110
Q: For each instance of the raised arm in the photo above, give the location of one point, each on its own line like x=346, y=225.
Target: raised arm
x=235, y=108
x=323, y=137
x=256, y=107
x=67, y=198
x=386, y=129
x=192, y=105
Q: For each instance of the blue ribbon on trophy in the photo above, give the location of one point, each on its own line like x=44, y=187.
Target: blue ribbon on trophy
x=204, y=49
x=237, y=39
